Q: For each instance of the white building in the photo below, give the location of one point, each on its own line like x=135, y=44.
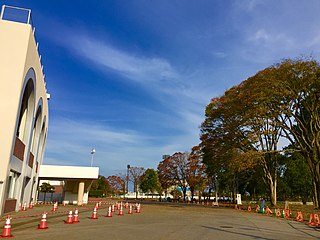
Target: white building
x=76, y=181
x=23, y=109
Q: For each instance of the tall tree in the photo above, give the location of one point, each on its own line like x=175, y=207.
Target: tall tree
x=150, y=182
x=116, y=183
x=174, y=170
x=282, y=100
x=196, y=177
x=165, y=181
x=135, y=174
x=292, y=91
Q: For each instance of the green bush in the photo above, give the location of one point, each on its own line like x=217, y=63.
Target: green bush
x=96, y=193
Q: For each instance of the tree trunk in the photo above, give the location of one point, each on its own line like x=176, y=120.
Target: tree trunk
x=136, y=190
x=273, y=190
x=272, y=185
x=273, y=194
x=271, y=180
x=184, y=194
x=314, y=167
x=316, y=189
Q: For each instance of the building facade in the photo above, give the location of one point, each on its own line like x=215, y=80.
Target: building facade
x=23, y=109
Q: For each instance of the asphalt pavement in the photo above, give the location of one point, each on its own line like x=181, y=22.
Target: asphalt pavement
x=163, y=221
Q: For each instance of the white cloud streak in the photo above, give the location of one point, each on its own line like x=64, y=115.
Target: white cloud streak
x=138, y=68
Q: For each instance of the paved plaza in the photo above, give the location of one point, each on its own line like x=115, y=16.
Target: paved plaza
x=159, y=222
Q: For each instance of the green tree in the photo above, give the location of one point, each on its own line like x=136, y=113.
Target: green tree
x=296, y=177
x=150, y=182
x=99, y=187
x=46, y=188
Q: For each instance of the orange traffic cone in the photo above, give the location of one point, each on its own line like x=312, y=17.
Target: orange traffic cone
x=311, y=223
x=76, y=216
x=43, y=223
x=94, y=214
x=127, y=205
x=299, y=217
x=120, y=211
x=287, y=213
x=316, y=220
x=24, y=207
x=112, y=208
x=138, y=208
x=31, y=205
x=130, y=209
x=7, y=229
x=268, y=211
x=54, y=208
x=109, y=212
x=69, y=219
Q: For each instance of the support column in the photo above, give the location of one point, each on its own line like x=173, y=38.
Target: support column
x=80, y=193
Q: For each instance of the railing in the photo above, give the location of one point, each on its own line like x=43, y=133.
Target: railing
x=21, y=15
x=16, y=14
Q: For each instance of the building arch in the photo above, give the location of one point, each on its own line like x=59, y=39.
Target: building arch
x=36, y=130
x=26, y=107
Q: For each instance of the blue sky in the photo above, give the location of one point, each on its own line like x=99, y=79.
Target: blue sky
x=132, y=78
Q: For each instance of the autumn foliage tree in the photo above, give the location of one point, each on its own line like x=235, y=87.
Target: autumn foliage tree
x=173, y=171
x=243, y=127
x=116, y=184
x=196, y=176
x=165, y=181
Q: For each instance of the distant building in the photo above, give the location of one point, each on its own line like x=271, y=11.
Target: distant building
x=23, y=109
x=73, y=182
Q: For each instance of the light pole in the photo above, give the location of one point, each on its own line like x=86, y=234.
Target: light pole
x=128, y=168
x=93, y=151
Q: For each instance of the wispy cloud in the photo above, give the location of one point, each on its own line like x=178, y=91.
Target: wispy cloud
x=132, y=66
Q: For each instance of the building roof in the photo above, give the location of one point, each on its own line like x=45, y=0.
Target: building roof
x=70, y=172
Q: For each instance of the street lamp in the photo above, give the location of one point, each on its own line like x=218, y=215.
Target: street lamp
x=93, y=151
x=128, y=168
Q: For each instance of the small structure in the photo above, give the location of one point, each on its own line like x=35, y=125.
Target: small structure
x=77, y=180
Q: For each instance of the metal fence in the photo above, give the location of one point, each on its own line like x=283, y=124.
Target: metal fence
x=16, y=14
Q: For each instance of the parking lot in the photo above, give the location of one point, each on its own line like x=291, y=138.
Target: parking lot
x=165, y=221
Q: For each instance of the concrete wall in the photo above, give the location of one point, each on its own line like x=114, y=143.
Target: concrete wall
x=21, y=72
